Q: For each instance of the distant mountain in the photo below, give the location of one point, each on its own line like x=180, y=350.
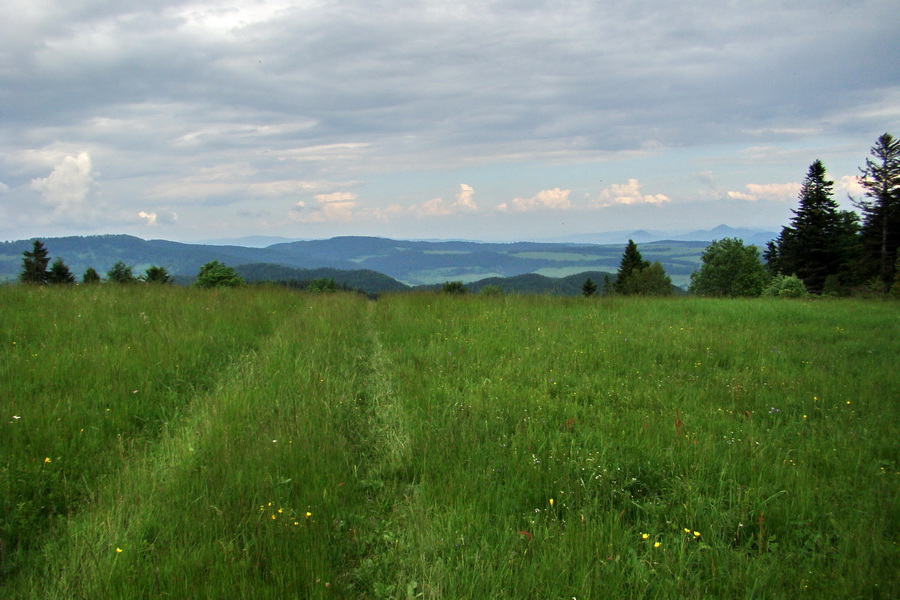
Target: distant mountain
x=368, y=281
x=408, y=262
x=757, y=237
x=250, y=241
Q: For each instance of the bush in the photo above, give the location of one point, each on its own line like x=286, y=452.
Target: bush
x=217, y=274
x=729, y=269
x=453, y=287
x=784, y=286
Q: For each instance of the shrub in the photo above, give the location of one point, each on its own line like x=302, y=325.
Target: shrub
x=784, y=286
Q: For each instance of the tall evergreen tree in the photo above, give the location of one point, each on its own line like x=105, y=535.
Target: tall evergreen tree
x=821, y=238
x=59, y=272
x=881, y=212
x=34, y=265
x=631, y=261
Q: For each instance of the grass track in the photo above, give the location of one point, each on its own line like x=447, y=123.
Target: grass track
x=327, y=446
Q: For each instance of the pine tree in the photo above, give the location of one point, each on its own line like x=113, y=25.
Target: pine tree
x=881, y=213
x=631, y=261
x=120, y=273
x=34, y=265
x=589, y=288
x=90, y=276
x=59, y=273
x=156, y=274
x=821, y=239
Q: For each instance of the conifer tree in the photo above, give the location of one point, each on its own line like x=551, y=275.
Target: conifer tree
x=881, y=213
x=156, y=274
x=821, y=239
x=34, y=265
x=589, y=288
x=120, y=273
x=90, y=276
x=631, y=261
x=59, y=273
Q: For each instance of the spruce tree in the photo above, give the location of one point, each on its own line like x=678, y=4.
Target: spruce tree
x=631, y=261
x=821, y=239
x=156, y=274
x=34, y=265
x=120, y=273
x=59, y=273
x=90, y=276
x=881, y=213
x=589, y=288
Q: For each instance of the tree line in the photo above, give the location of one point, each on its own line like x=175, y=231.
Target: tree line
x=35, y=270
x=823, y=250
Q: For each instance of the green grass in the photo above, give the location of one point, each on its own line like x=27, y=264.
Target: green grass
x=266, y=444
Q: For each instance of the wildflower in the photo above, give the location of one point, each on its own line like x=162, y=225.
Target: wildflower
x=308, y=514
x=686, y=530
x=644, y=536
x=47, y=460
x=657, y=544
x=551, y=502
x=696, y=534
x=118, y=550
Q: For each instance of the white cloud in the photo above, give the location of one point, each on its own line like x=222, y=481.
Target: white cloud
x=779, y=192
x=3, y=188
x=556, y=198
x=628, y=193
x=849, y=185
x=68, y=184
x=154, y=218
x=334, y=206
x=438, y=207
x=335, y=197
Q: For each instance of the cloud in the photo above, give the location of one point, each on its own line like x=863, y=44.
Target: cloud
x=3, y=188
x=68, y=184
x=849, y=185
x=163, y=218
x=556, y=199
x=334, y=206
x=438, y=207
x=779, y=192
x=628, y=193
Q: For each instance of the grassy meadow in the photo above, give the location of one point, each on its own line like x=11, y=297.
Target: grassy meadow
x=162, y=442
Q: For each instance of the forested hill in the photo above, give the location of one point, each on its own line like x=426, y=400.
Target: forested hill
x=412, y=263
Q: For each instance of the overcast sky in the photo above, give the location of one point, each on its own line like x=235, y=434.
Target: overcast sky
x=485, y=120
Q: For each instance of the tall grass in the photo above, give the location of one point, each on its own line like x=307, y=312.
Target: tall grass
x=266, y=444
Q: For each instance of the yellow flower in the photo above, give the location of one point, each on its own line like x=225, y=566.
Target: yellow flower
x=657, y=544
x=118, y=549
x=696, y=534
x=46, y=460
x=551, y=501
x=686, y=530
x=644, y=536
x=308, y=514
